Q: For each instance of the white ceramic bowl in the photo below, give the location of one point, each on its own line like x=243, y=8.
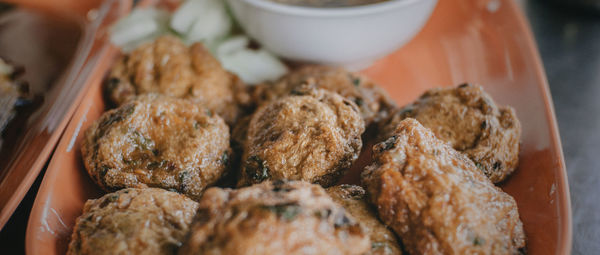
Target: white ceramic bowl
x=351, y=36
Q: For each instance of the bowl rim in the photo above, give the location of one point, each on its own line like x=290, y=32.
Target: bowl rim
x=306, y=11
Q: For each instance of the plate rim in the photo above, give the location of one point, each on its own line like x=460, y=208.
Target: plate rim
x=81, y=55
x=565, y=226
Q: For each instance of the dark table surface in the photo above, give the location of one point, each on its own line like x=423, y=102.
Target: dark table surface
x=569, y=42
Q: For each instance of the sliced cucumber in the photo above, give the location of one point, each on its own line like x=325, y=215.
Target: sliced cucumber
x=254, y=66
x=233, y=44
x=143, y=24
x=202, y=20
x=210, y=26
x=185, y=16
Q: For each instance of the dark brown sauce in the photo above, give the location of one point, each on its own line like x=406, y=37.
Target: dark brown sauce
x=43, y=45
x=328, y=3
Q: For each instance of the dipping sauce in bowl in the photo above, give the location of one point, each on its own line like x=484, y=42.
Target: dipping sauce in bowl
x=328, y=3
x=315, y=31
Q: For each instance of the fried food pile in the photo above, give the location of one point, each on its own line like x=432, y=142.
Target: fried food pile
x=199, y=163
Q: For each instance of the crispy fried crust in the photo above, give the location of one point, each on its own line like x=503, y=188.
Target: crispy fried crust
x=169, y=67
x=157, y=141
x=372, y=101
x=313, y=135
x=133, y=221
x=273, y=218
x=470, y=121
x=436, y=199
x=354, y=199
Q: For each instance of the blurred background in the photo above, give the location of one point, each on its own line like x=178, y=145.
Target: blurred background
x=568, y=36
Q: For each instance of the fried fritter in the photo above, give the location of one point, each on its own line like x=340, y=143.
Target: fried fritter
x=354, y=199
x=436, y=199
x=133, y=221
x=157, y=141
x=470, y=121
x=312, y=135
x=169, y=67
x=372, y=101
x=273, y=218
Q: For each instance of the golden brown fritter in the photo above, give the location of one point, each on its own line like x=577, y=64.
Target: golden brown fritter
x=157, y=141
x=273, y=218
x=133, y=221
x=436, y=199
x=372, y=101
x=169, y=67
x=313, y=135
x=470, y=121
x=354, y=199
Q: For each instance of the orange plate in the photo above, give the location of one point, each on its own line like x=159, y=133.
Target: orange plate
x=59, y=45
x=464, y=41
